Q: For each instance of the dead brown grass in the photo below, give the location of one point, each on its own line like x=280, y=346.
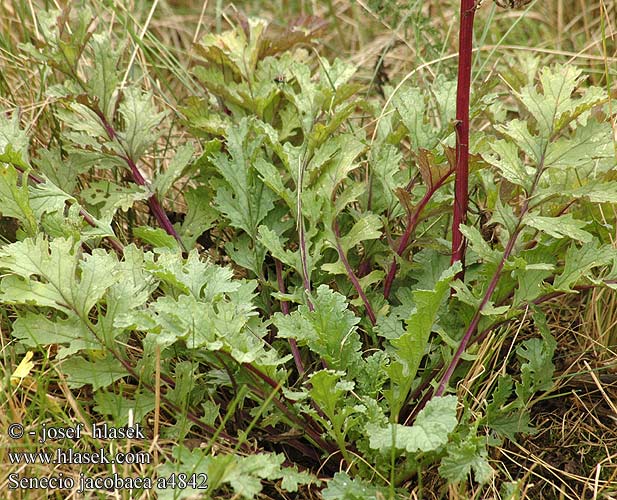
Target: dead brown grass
x=574, y=453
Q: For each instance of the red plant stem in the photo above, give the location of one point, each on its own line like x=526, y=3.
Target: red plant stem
x=155, y=206
x=461, y=194
x=285, y=308
x=308, y=430
x=480, y=338
x=173, y=406
x=412, y=222
x=117, y=246
x=495, y=279
x=281, y=283
x=476, y=317
x=267, y=379
x=364, y=268
x=352, y=276
x=310, y=426
x=305, y=274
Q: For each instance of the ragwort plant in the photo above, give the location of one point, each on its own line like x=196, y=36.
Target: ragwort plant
x=336, y=354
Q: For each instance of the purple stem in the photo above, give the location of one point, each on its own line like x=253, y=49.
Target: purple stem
x=153, y=202
x=310, y=426
x=476, y=317
x=305, y=277
x=351, y=274
x=493, y=284
x=309, y=431
x=480, y=337
x=412, y=222
x=461, y=192
x=285, y=308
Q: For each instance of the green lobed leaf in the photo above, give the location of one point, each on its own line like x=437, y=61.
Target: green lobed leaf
x=201, y=278
x=70, y=335
x=410, y=104
x=14, y=197
x=272, y=178
x=410, y=348
x=328, y=390
x=56, y=264
x=246, y=253
x=329, y=330
x=479, y=245
x=14, y=141
x=430, y=430
x=385, y=161
x=343, y=487
x=596, y=192
x=188, y=462
x=243, y=473
x=555, y=100
x=165, y=180
x=103, y=78
x=559, y=227
x=141, y=122
x=98, y=373
x=272, y=241
x=85, y=123
x=537, y=370
x=243, y=199
x=518, y=131
x=582, y=149
x=47, y=197
x=342, y=162
x=199, y=218
x=507, y=419
x=156, y=237
x=464, y=457
x=121, y=409
x=579, y=261
x=367, y=227
x=506, y=159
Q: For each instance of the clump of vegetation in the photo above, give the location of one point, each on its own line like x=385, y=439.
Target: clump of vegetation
x=250, y=253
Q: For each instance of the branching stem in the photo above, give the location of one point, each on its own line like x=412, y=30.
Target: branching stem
x=413, y=217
